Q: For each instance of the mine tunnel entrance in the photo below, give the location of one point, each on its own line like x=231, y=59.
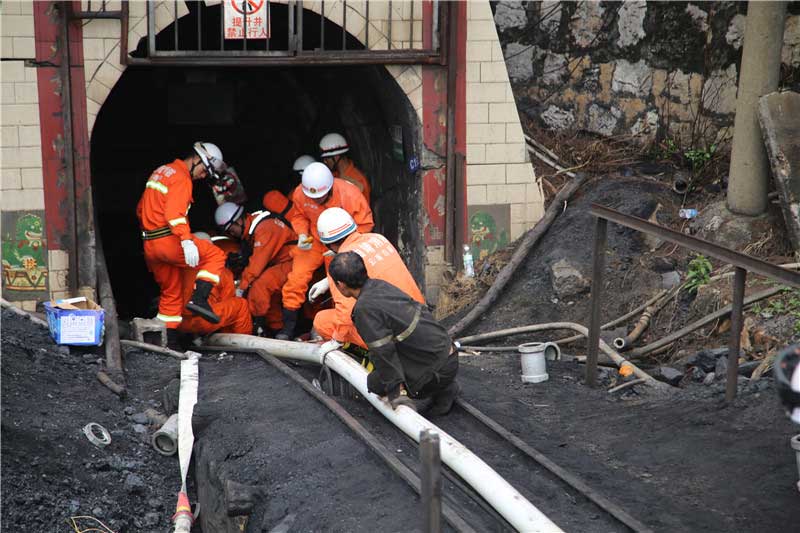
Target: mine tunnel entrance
x=262, y=118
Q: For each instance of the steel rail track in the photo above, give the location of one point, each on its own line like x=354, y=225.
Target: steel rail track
x=450, y=514
x=564, y=475
x=572, y=480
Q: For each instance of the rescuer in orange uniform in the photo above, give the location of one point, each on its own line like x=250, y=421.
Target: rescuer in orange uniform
x=233, y=312
x=269, y=241
x=317, y=192
x=333, y=148
x=338, y=231
x=168, y=244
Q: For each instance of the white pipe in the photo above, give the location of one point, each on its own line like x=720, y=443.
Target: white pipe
x=518, y=511
x=165, y=440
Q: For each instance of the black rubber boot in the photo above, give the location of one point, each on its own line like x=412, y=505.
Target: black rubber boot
x=199, y=302
x=260, y=326
x=400, y=397
x=443, y=400
x=289, y=323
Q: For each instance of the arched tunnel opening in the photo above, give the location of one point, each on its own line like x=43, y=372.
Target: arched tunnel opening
x=262, y=117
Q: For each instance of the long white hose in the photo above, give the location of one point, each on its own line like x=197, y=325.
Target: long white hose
x=517, y=510
x=186, y=402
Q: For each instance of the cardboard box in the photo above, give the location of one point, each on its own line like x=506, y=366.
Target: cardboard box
x=76, y=321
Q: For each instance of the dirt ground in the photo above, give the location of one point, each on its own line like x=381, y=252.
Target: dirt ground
x=261, y=430
x=688, y=463
x=51, y=472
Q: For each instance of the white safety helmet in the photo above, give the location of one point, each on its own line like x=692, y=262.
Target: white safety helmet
x=334, y=224
x=226, y=214
x=317, y=180
x=302, y=162
x=211, y=156
x=333, y=144
x=201, y=235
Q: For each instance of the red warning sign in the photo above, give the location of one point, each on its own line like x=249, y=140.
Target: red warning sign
x=250, y=14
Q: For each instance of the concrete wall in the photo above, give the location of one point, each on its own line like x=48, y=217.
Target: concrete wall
x=617, y=68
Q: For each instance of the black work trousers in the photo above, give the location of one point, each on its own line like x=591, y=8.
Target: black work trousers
x=439, y=379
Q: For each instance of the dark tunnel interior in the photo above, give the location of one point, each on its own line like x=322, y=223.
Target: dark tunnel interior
x=262, y=118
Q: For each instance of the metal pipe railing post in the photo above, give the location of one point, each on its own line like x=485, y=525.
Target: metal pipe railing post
x=739, y=278
x=598, y=265
x=431, y=481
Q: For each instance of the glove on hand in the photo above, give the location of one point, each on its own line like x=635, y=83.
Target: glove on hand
x=304, y=241
x=190, y=253
x=318, y=289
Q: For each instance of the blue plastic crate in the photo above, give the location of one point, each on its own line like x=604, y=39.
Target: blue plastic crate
x=84, y=326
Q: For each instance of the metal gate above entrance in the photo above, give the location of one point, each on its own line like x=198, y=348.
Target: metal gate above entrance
x=196, y=33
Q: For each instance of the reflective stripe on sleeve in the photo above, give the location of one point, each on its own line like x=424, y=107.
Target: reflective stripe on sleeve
x=158, y=186
x=208, y=276
x=411, y=327
x=175, y=221
x=380, y=342
x=401, y=336
x=169, y=318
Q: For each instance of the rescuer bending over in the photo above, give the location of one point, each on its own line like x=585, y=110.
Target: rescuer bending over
x=338, y=231
x=270, y=243
x=317, y=191
x=414, y=357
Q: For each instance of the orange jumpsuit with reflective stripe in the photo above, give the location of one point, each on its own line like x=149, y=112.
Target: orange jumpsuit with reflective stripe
x=234, y=315
x=272, y=242
x=352, y=174
x=304, y=220
x=164, y=204
x=382, y=262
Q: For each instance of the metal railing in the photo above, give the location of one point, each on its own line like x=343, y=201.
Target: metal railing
x=741, y=262
x=204, y=43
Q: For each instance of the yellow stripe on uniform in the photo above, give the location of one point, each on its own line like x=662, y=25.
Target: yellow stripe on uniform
x=208, y=276
x=160, y=187
x=169, y=318
x=175, y=221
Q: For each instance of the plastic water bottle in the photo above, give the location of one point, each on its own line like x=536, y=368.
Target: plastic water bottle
x=469, y=269
x=687, y=213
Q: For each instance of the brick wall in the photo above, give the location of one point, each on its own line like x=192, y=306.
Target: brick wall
x=498, y=169
x=20, y=142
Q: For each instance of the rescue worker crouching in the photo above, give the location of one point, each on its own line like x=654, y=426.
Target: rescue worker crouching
x=269, y=243
x=169, y=247
x=318, y=191
x=233, y=311
x=332, y=148
x=412, y=353
x=338, y=231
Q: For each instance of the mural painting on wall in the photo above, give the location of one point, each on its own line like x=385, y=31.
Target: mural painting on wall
x=488, y=228
x=24, y=256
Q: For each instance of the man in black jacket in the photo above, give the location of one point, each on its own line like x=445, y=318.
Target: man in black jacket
x=412, y=353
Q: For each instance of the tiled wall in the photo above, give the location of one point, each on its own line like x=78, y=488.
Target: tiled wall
x=20, y=142
x=498, y=168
